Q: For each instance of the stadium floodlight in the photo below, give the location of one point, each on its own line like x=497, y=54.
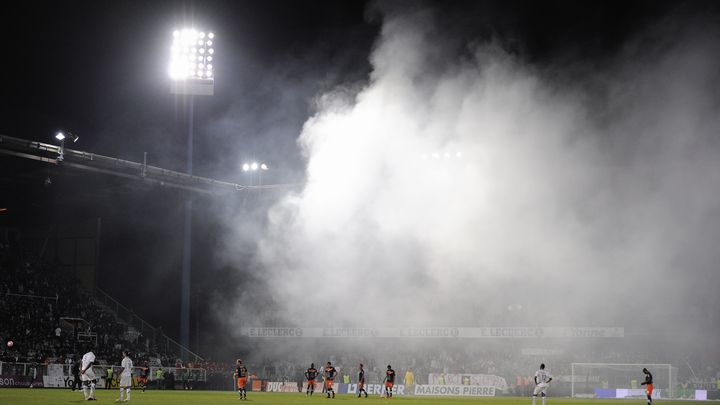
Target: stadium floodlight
x=62, y=136
x=191, y=75
x=254, y=166
x=190, y=70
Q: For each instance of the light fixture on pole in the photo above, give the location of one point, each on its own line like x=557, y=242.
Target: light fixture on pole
x=192, y=63
x=62, y=136
x=192, y=74
x=255, y=167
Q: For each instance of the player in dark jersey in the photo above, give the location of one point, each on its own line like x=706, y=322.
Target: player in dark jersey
x=389, y=381
x=648, y=383
x=143, y=378
x=361, y=382
x=311, y=375
x=329, y=372
x=241, y=374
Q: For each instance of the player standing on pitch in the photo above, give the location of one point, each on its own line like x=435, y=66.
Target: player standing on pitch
x=87, y=375
x=648, y=383
x=125, y=376
x=389, y=381
x=143, y=377
x=241, y=373
x=361, y=381
x=542, y=379
x=329, y=373
x=310, y=376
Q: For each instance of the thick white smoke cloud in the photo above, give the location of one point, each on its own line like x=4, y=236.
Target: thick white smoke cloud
x=450, y=188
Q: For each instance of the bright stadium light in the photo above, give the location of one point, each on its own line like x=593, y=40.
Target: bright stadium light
x=254, y=171
x=189, y=77
x=189, y=59
x=62, y=136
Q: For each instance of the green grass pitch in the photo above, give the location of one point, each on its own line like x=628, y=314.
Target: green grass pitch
x=27, y=396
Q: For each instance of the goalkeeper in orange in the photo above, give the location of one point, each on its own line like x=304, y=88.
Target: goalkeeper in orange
x=648, y=383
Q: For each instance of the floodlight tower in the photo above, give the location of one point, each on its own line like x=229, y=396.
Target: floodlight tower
x=62, y=136
x=253, y=167
x=191, y=74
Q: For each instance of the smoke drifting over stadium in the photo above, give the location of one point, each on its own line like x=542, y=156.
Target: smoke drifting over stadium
x=464, y=185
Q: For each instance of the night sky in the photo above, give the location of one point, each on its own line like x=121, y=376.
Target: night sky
x=99, y=69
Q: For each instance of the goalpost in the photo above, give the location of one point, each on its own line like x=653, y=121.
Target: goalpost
x=620, y=380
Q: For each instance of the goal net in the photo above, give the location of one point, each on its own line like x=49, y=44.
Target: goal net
x=607, y=380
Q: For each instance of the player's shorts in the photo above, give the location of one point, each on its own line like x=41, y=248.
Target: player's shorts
x=649, y=389
x=388, y=384
x=142, y=380
x=540, y=389
x=88, y=375
x=125, y=380
x=361, y=385
x=241, y=382
x=329, y=384
x=311, y=383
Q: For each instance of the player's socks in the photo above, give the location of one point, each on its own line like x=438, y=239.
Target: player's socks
x=534, y=398
x=85, y=391
x=127, y=393
x=92, y=390
x=121, y=394
x=543, y=400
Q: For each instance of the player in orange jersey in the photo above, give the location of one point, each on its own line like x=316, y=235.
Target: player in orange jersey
x=241, y=374
x=329, y=372
x=311, y=375
x=389, y=381
x=648, y=383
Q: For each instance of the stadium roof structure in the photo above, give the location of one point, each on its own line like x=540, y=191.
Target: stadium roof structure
x=92, y=162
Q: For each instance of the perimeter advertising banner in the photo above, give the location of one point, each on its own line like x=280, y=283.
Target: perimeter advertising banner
x=372, y=389
x=277, y=386
x=519, y=332
x=454, y=391
x=18, y=381
x=485, y=380
x=66, y=381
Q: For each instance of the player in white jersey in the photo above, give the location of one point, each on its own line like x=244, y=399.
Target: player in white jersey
x=542, y=379
x=125, y=376
x=87, y=375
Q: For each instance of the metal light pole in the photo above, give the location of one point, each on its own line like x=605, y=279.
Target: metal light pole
x=253, y=167
x=191, y=73
x=61, y=136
